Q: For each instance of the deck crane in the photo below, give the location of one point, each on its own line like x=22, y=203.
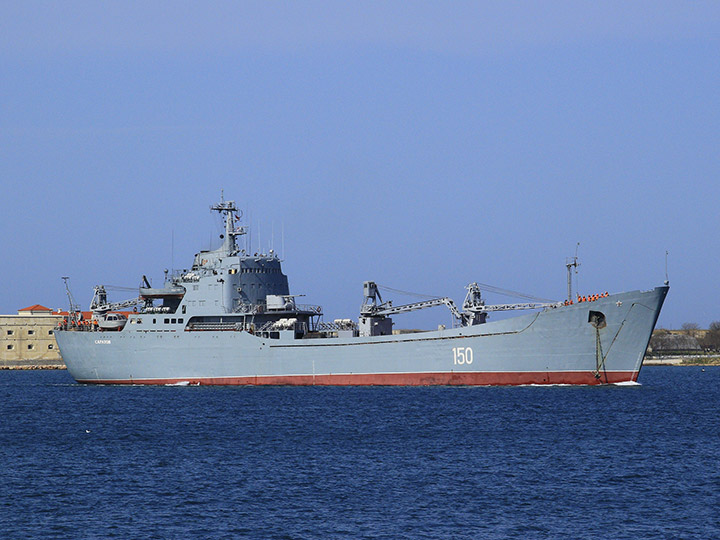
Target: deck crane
x=100, y=305
x=374, y=312
x=74, y=313
x=101, y=309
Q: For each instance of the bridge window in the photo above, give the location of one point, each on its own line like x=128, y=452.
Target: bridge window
x=167, y=321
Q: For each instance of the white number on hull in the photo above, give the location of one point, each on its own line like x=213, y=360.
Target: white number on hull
x=462, y=355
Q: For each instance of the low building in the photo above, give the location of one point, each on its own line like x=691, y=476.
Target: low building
x=27, y=339
x=676, y=342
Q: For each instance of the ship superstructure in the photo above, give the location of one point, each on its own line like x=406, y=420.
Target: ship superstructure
x=230, y=319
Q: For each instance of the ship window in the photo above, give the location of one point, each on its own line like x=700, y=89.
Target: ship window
x=139, y=321
x=154, y=321
x=30, y=347
x=174, y=321
x=167, y=321
x=50, y=346
x=31, y=332
x=183, y=308
x=9, y=347
x=180, y=321
x=11, y=332
x=50, y=332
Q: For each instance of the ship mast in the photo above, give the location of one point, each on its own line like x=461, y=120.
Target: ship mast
x=571, y=262
x=232, y=213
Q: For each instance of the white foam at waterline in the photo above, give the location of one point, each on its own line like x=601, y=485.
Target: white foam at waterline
x=627, y=383
x=179, y=383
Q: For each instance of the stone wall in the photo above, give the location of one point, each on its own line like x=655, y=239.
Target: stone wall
x=29, y=340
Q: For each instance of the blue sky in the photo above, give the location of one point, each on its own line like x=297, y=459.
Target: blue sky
x=421, y=145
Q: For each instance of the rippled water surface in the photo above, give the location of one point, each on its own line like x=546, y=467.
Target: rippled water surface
x=202, y=462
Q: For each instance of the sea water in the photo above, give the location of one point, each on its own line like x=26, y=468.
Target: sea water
x=639, y=461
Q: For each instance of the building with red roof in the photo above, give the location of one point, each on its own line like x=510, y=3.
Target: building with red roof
x=27, y=339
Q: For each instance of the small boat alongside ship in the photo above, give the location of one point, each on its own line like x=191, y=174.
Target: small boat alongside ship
x=231, y=320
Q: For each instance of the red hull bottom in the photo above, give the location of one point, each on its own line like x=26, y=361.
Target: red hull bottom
x=401, y=379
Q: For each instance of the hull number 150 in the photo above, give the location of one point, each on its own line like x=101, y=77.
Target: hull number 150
x=462, y=355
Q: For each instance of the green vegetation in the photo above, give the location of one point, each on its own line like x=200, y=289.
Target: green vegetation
x=712, y=360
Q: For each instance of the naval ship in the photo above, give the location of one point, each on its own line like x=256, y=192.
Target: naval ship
x=230, y=320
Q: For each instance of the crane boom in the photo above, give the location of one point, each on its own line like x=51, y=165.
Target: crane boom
x=527, y=305
x=99, y=303
x=405, y=308
x=74, y=312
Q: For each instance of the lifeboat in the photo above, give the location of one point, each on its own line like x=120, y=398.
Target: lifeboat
x=112, y=321
x=165, y=292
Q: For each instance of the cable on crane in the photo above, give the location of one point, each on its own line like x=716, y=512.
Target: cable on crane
x=407, y=293
x=507, y=292
x=483, y=286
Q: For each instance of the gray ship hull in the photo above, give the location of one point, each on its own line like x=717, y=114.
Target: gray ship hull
x=553, y=346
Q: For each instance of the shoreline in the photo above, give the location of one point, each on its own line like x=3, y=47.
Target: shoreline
x=710, y=360
x=32, y=367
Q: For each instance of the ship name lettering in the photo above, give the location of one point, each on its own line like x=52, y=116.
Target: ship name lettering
x=462, y=355
x=102, y=342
